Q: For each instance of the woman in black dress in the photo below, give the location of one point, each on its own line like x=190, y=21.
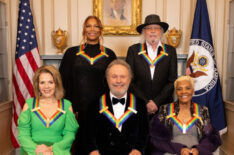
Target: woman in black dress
x=83, y=73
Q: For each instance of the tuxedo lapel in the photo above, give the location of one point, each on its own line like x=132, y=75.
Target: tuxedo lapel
x=110, y=108
x=107, y=109
x=158, y=67
x=127, y=103
x=124, y=126
x=144, y=63
x=109, y=104
x=156, y=70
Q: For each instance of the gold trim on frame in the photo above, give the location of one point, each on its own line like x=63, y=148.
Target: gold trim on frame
x=136, y=13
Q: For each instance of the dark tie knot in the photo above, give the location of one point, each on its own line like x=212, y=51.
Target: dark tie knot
x=116, y=100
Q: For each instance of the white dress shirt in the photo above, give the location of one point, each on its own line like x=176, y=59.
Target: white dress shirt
x=118, y=109
x=152, y=54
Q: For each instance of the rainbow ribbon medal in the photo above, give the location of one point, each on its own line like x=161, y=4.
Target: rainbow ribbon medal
x=184, y=127
x=48, y=121
x=92, y=60
x=151, y=62
x=117, y=122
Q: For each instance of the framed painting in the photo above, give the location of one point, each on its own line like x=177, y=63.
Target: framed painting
x=119, y=17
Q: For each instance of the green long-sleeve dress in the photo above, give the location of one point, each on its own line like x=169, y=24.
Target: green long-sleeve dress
x=34, y=129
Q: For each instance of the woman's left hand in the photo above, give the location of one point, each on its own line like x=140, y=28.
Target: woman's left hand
x=43, y=149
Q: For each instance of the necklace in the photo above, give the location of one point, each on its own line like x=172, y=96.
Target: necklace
x=45, y=120
x=92, y=60
x=117, y=122
x=152, y=63
x=184, y=126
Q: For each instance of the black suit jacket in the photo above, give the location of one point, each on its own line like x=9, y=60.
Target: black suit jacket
x=160, y=88
x=108, y=140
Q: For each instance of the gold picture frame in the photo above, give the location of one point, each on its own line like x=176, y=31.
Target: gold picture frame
x=126, y=23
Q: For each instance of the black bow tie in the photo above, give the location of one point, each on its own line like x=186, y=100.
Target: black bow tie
x=116, y=100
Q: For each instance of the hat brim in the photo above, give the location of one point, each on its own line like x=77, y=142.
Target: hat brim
x=162, y=24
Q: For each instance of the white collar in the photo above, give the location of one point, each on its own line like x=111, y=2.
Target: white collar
x=159, y=44
x=124, y=96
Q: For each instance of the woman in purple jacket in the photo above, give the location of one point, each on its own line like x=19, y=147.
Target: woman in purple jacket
x=183, y=127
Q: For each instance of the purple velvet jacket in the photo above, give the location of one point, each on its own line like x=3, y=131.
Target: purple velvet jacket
x=161, y=133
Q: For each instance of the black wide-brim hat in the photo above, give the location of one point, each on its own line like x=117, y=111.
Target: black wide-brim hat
x=152, y=19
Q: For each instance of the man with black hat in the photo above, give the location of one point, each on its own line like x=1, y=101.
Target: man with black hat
x=154, y=65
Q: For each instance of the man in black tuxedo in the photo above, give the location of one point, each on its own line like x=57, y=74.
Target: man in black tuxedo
x=154, y=65
x=118, y=122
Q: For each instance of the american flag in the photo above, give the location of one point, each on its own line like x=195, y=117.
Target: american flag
x=27, y=60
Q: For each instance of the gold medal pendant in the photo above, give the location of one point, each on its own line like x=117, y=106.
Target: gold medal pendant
x=91, y=61
x=47, y=122
x=117, y=123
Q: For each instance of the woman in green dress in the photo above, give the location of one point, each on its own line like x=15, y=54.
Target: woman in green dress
x=47, y=124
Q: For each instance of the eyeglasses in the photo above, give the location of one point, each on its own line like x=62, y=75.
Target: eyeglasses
x=153, y=28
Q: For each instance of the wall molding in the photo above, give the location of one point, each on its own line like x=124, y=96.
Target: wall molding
x=229, y=106
x=5, y=125
x=227, y=138
x=5, y=106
